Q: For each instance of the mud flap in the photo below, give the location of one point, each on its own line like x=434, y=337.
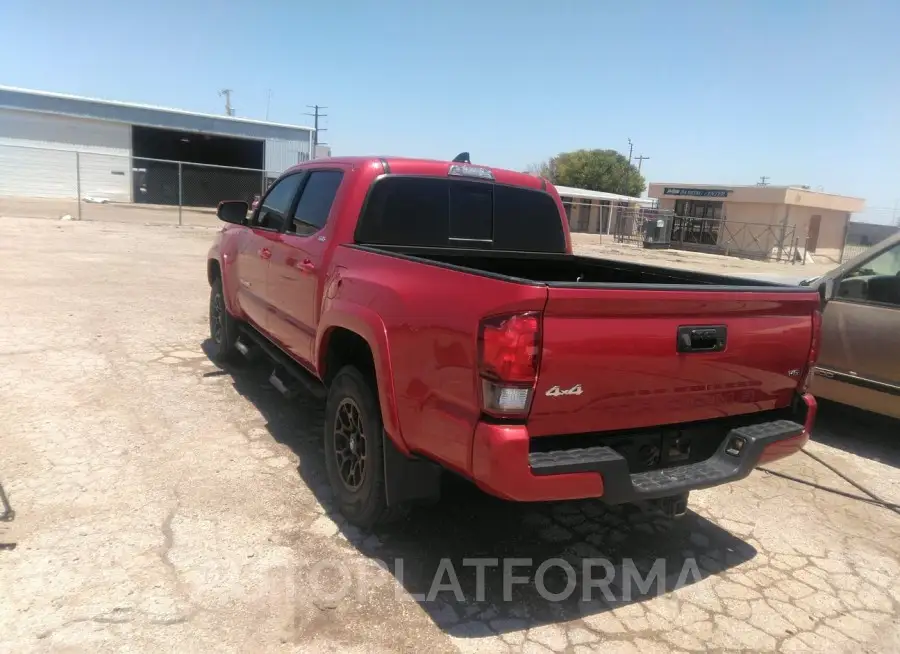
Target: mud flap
x=409, y=480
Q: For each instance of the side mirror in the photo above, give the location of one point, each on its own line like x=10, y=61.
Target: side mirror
x=233, y=211
x=826, y=288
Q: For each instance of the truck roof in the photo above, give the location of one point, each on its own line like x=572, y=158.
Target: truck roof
x=431, y=167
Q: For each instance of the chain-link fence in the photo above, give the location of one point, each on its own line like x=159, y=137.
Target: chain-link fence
x=617, y=220
x=96, y=185
x=651, y=227
x=638, y=225
x=850, y=251
x=586, y=216
x=78, y=185
x=869, y=228
x=751, y=240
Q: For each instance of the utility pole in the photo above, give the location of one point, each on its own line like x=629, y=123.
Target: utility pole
x=641, y=159
x=628, y=167
x=316, y=115
x=226, y=93
x=764, y=180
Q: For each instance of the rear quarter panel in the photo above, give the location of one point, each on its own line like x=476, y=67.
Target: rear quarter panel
x=429, y=318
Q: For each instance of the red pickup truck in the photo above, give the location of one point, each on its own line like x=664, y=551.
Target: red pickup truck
x=440, y=310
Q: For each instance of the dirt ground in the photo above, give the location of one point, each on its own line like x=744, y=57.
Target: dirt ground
x=605, y=246
x=141, y=214
x=586, y=244
x=164, y=504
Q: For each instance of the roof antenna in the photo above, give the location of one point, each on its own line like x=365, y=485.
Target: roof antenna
x=462, y=157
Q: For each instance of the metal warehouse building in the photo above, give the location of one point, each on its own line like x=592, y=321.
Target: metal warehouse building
x=60, y=146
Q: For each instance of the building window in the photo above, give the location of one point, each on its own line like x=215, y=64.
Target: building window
x=699, y=209
x=697, y=222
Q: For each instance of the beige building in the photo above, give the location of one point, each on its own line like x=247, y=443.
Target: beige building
x=757, y=220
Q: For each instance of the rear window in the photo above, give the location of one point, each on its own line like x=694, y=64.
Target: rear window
x=438, y=212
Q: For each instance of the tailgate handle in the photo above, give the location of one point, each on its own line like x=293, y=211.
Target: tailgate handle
x=704, y=338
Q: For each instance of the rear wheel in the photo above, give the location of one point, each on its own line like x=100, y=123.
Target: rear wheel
x=354, y=452
x=223, y=328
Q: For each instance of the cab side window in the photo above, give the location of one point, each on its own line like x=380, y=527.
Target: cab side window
x=315, y=202
x=274, y=209
x=876, y=281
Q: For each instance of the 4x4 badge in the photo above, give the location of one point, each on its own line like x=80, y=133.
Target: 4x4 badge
x=556, y=391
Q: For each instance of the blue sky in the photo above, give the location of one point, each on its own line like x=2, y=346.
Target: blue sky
x=803, y=91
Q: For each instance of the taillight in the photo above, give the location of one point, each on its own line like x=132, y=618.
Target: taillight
x=814, y=347
x=509, y=353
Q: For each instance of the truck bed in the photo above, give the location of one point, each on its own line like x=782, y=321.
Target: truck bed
x=569, y=270
x=616, y=332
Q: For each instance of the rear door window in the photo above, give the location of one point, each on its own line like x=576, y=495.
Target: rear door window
x=315, y=201
x=439, y=212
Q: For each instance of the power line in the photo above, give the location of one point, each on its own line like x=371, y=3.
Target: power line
x=316, y=115
x=229, y=111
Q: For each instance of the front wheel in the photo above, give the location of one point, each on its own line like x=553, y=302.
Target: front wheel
x=354, y=452
x=223, y=328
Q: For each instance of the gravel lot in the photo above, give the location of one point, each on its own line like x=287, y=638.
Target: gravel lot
x=164, y=504
x=586, y=244
x=606, y=246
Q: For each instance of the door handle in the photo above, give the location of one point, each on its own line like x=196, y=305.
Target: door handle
x=265, y=253
x=702, y=338
x=303, y=266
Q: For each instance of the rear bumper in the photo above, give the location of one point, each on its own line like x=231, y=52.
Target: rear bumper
x=503, y=465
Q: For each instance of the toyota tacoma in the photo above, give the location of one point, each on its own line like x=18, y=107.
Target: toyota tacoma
x=438, y=309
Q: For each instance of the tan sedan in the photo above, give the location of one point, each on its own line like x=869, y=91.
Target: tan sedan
x=859, y=362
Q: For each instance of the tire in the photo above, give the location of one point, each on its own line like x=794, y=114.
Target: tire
x=361, y=498
x=223, y=328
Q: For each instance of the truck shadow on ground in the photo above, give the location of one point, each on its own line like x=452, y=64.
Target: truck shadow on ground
x=559, y=553
x=858, y=432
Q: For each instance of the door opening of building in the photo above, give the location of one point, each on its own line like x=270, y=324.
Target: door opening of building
x=812, y=239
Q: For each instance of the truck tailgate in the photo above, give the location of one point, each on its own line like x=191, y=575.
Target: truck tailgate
x=611, y=361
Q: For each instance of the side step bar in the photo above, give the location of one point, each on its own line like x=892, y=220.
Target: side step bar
x=289, y=377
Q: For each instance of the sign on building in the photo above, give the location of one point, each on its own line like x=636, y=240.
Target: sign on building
x=697, y=192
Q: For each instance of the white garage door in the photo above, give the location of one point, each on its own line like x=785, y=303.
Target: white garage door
x=37, y=156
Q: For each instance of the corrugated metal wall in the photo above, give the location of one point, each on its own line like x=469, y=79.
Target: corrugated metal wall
x=37, y=156
x=281, y=155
